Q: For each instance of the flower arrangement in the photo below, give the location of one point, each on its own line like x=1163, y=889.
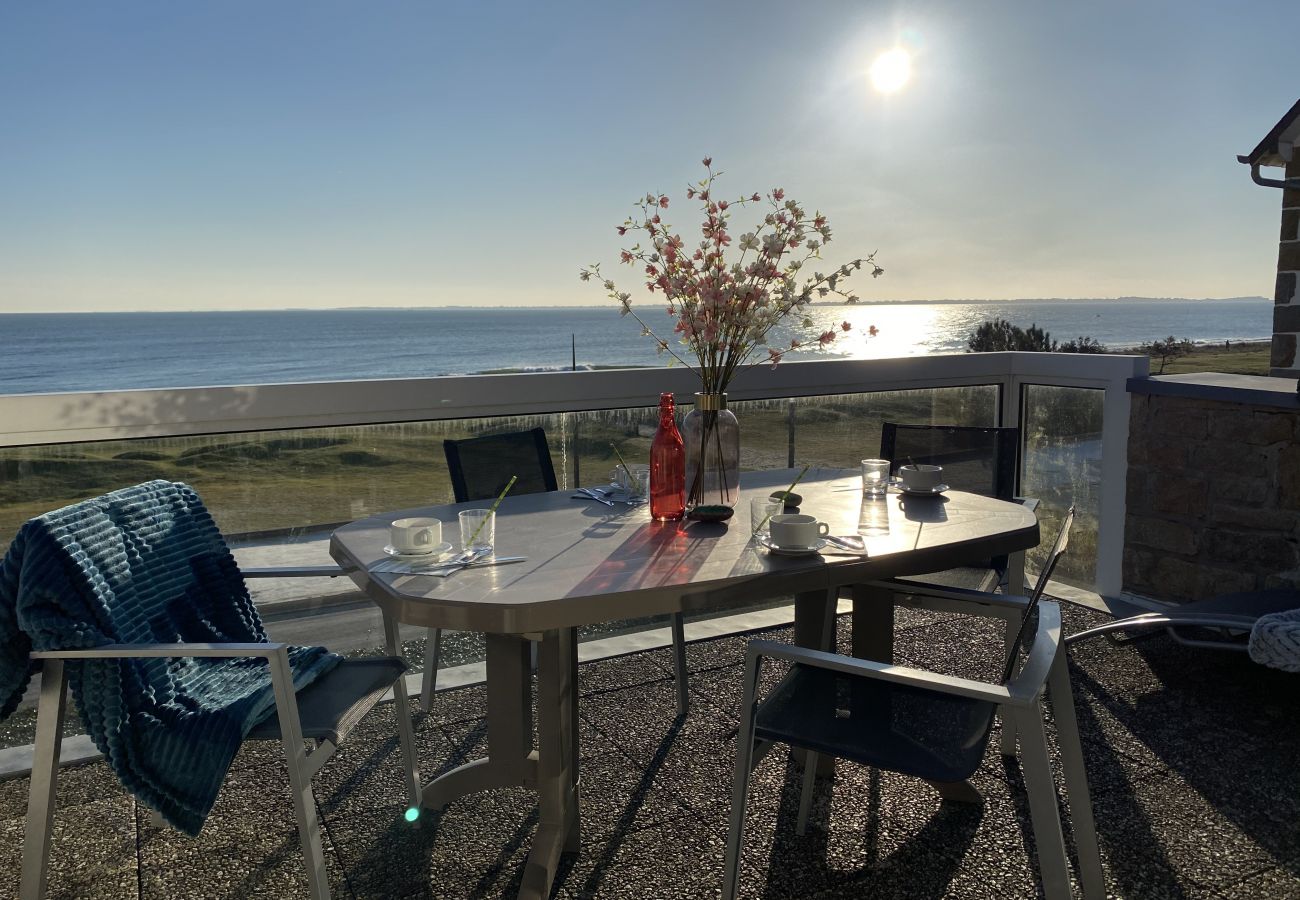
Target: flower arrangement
x=725, y=312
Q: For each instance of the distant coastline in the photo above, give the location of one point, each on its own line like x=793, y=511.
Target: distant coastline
x=643, y=305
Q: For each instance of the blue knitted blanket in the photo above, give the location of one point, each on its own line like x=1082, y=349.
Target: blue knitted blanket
x=143, y=565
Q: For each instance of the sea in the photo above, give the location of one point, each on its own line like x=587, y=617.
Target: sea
x=53, y=352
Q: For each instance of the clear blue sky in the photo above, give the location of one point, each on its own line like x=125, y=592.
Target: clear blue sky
x=234, y=155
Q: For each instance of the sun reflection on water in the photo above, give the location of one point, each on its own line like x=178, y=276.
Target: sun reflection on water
x=903, y=330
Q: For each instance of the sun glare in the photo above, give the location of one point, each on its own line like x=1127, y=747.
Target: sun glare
x=891, y=70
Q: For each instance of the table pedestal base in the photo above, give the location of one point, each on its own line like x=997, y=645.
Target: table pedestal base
x=551, y=770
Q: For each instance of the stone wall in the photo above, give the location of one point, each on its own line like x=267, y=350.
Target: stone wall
x=1286, y=296
x=1213, y=502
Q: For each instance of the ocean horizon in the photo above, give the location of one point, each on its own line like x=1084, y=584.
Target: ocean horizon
x=94, y=351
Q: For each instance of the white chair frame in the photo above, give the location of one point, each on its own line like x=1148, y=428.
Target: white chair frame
x=1020, y=703
x=302, y=764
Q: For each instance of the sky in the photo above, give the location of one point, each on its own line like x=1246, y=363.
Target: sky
x=242, y=155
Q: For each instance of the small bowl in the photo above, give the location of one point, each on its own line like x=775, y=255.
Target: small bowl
x=711, y=513
x=791, y=502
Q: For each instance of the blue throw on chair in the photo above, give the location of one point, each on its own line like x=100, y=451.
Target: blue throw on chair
x=143, y=565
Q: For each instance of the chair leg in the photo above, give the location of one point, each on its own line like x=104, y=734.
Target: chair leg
x=304, y=804
x=1076, y=780
x=429, y=681
x=1007, y=742
x=740, y=782
x=679, y=665
x=45, y=771
x=402, y=709
x=806, y=793
x=1037, y=768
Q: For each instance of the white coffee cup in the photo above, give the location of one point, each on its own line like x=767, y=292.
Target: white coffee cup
x=797, y=531
x=416, y=535
x=921, y=477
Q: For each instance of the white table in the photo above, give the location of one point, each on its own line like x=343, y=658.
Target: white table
x=588, y=563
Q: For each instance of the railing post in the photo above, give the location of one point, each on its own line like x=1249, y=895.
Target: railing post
x=1113, y=486
x=790, y=420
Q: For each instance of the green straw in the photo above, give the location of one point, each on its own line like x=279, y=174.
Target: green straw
x=632, y=479
x=491, y=512
x=785, y=495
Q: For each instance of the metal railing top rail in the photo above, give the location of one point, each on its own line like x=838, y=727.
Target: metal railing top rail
x=58, y=418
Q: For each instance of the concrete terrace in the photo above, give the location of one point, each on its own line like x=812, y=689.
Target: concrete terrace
x=1190, y=754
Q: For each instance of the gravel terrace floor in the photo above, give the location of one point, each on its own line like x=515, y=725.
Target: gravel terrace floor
x=1191, y=757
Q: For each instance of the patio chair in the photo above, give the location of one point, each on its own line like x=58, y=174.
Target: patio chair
x=1265, y=623
x=976, y=459
x=480, y=468
x=930, y=726
x=134, y=599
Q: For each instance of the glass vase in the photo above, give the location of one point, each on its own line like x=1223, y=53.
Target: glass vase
x=712, y=437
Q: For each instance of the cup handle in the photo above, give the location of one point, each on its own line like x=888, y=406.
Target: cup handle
x=823, y=529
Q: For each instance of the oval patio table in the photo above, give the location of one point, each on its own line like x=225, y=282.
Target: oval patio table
x=588, y=563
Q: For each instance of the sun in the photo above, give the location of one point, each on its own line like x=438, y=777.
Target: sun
x=891, y=70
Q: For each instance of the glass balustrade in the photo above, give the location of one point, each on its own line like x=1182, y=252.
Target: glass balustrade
x=277, y=494
x=1061, y=466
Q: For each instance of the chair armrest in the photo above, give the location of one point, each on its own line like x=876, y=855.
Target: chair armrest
x=967, y=595
x=293, y=572
x=849, y=665
x=1047, y=642
x=122, y=651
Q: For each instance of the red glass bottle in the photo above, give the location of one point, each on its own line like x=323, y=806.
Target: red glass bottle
x=667, y=466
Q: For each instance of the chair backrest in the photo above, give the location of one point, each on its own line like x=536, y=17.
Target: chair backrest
x=480, y=467
x=1044, y=575
x=974, y=458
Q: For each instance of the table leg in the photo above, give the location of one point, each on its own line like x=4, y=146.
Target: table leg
x=873, y=638
x=813, y=614
x=873, y=623
x=557, y=775
x=511, y=761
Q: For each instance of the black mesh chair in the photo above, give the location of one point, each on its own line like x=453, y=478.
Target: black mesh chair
x=480, y=468
x=975, y=459
x=930, y=726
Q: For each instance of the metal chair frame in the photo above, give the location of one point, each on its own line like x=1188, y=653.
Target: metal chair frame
x=303, y=764
x=1020, y=700
x=1019, y=705
x=1217, y=623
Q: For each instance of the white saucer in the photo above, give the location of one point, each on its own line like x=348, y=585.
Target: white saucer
x=924, y=492
x=795, y=551
x=417, y=554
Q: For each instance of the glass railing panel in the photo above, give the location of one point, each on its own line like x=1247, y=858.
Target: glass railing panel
x=276, y=495
x=1062, y=429
x=843, y=429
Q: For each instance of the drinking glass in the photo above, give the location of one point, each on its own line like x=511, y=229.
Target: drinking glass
x=761, y=511
x=638, y=486
x=477, y=529
x=875, y=476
